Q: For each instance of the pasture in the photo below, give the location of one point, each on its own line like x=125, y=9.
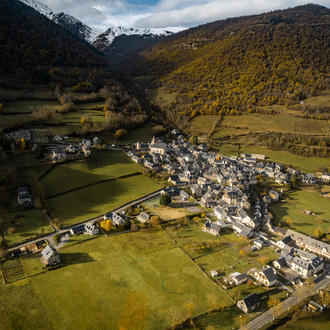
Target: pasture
x=307, y=164
x=299, y=201
x=101, y=165
x=132, y=281
x=24, y=224
x=80, y=205
x=283, y=123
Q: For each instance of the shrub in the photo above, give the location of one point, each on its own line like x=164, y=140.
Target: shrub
x=120, y=134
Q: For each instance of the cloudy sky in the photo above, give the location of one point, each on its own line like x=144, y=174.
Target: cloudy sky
x=165, y=13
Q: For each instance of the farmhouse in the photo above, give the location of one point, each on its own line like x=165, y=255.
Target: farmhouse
x=249, y=303
x=24, y=198
x=115, y=218
x=77, y=230
x=49, y=257
x=143, y=217
x=90, y=229
x=267, y=277
x=212, y=228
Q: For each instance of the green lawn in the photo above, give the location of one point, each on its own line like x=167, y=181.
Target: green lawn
x=304, y=200
x=75, y=207
x=133, y=281
x=307, y=164
x=27, y=224
x=101, y=165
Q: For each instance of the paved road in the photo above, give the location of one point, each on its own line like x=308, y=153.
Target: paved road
x=50, y=237
x=294, y=299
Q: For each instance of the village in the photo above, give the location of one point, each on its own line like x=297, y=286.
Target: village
x=222, y=187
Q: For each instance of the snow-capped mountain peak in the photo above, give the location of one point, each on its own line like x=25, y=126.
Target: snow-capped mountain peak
x=75, y=26
x=107, y=37
x=40, y=7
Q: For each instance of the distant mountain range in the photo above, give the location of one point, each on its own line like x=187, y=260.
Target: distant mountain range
x=101, y=41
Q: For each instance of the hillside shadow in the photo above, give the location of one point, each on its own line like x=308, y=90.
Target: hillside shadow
x=76, y=258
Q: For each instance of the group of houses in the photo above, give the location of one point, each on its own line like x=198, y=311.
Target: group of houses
x=61, y=152
x=225, y=184
x=219, y=182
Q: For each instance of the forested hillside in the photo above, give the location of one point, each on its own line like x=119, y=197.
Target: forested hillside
x=32, y=43
x=233, y=65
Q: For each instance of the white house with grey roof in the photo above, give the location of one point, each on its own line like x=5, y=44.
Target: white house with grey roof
x=267, y=277
x=306, y=267
x=49, y=257
x=212, y=228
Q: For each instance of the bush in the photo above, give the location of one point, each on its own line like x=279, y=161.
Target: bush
x=120, y=134
x=165, y=199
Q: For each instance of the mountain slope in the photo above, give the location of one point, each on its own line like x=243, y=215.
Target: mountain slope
x=39, y=7
x=235, y=64
x=75, y=26
x=32, y=43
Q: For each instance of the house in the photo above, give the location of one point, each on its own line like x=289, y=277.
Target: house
x=143, y=217
x=239, y=278
x=24, y=198
x=274, y=195
x=57, y=155
x=158, y=148
x=259, y=243
x=196, y=190
x=211, y=228
x=242, y=230
x=311, y=244
x=280, y=263
x=49, y=257
x=90, y=229
x=208, y=200
x=184, y=196
x=306, y=268
x=220, y=213
x=325, y=177
x=308, y=179
x=286, y=241
x=115, y=218
x=267, y=277
x=214, y=273
x=249, y=304
x=77, y=230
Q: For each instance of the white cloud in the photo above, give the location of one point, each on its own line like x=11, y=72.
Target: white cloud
x=105, y=13
x=195, y=12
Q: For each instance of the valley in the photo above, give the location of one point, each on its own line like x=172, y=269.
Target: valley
x=163, y=178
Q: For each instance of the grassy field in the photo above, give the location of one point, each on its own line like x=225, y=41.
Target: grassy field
x=142, y=134
x=132, y=281
x=101, y=165
x=304, y=200
x=27, y=225
x=318, y=322
x=307, y=164
x=278, y=123
x=160, y=96
x=80, y=205
x=28, y=106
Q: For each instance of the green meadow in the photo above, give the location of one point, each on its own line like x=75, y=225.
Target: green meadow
x=298, y=202
x=132, y=281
